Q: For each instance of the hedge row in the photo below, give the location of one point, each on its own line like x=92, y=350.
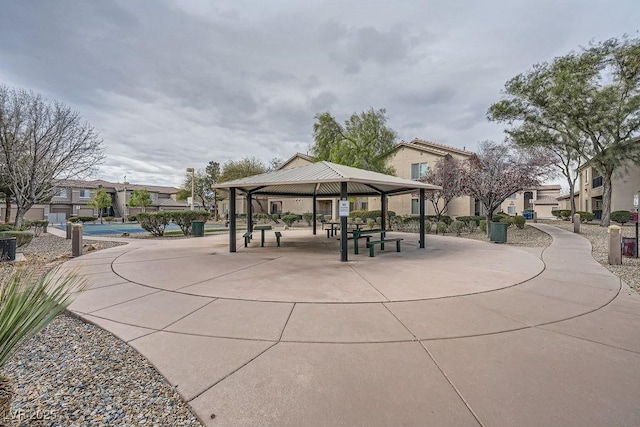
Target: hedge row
x=156, y=222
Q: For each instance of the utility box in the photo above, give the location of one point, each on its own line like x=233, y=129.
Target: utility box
x=629, y=246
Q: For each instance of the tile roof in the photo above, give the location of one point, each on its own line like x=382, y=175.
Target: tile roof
x=117, y=186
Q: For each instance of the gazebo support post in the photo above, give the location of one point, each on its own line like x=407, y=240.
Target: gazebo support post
x=314, y=210
x=421, y=218
x=383, y=211
x=232, y=219
x=249, y=213
x=343, y=225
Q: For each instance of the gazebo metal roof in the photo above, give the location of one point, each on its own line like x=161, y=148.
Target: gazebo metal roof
x=324, y=179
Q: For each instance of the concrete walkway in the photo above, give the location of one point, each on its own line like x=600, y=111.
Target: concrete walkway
x=462, y=333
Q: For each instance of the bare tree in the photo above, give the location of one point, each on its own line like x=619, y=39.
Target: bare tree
x=448, y=174
x=42, y=141
x=498, y=170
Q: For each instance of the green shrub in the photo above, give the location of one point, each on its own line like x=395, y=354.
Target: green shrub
x=369, y=214
x=556, y=213
x=472, y=226
x=275, y=217
x=483, y=225
x=506, y=220
x=497, y=217
x=7, y=227
x=74, y=219
x=22, y=237
x=585, y=216
x=441, y=227
x=39, y=226
x=289, y=219
x=457, y=227
x=371, y=222
x=308, y=217
x=427, y=226
x=621, y=217
x=84, y=219
x=565, y=214
x=154, y=222
x=109, y=219
x=519, y=221
x=184, y=218
x=133, y=218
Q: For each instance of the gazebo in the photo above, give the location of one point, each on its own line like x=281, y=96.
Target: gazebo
x=322, y=179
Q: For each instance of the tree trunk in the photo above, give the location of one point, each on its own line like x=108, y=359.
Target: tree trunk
x=6, y=396
x=19, y=216
x=572, y=186
x=606, y=199
x=7, y=212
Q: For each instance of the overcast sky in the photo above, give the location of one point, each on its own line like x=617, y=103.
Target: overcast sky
x=175, y=84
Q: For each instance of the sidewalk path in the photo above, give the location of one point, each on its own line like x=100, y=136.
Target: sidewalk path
x=462, y=333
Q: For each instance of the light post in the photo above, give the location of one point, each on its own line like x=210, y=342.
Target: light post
x=193, y=180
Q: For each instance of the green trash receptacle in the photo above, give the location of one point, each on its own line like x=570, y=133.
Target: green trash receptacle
x=8, y=248
x=197, y=228
x=498, y=233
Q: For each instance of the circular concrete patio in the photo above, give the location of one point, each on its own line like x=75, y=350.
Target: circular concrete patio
x=461, y=333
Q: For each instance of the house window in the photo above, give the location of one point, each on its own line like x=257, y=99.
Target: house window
x=415, y=207
x=554, y=208
x=511, y=209
x=225, y=208
x=364, y=206
x=85, y=193
x=418, y=170
x=60, y=192
x=513, y=196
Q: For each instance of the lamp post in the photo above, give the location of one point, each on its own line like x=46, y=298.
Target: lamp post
x=193, y=180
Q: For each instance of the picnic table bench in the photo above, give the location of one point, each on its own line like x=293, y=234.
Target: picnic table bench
x=372, y=244
x=367, y=234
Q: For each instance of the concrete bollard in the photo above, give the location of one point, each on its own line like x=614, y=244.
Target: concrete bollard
x=615, y=244
x=535, y=217
x=576, y=223
x=68, y=230
x=76, y=240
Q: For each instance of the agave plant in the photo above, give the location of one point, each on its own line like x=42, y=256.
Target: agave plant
x=27, y=304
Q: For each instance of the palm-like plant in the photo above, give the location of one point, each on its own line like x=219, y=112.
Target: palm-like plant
x=27, y=304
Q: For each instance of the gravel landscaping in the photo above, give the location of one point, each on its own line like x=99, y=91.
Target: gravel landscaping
x=76, y=374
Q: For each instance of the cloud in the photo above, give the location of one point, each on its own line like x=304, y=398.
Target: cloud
x=174, y=84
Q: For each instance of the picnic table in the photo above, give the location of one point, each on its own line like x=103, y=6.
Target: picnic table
x=357, y=234
x=262, y=228
x=332, y=228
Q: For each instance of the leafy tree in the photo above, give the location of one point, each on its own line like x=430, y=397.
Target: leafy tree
x=140, y=198
x=588, y=102
x=447, y=173
x=100, y=201
x=40, y=142
x=363, y=142
x=498, y=170
x=241, y=169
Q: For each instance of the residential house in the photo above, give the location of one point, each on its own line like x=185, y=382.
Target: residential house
x=625, y=183
x=543, y=200
x=412, y=160
x=564, y=201
x=71, y=198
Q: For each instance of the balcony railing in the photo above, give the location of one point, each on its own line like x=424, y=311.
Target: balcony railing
x=597, y=182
